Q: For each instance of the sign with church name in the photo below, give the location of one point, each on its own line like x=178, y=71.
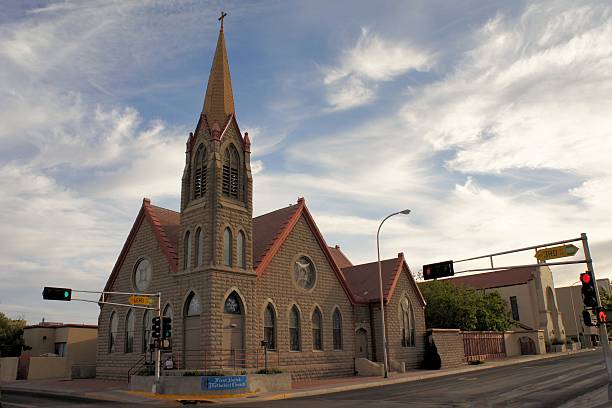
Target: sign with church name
x=140, y=300
x=228, y=382
x=560, y=251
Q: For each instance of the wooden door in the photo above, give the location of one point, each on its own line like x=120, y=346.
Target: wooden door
x=362, y=343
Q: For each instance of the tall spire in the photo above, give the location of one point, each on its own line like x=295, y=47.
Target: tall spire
x=219, y=99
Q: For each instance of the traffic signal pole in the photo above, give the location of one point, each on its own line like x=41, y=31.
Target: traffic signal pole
x=157, y=350
x=603, y=331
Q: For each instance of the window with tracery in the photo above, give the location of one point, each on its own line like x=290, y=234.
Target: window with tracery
x=200, y=173
x=231, y=173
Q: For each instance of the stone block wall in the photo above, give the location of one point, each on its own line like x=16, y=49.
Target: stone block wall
x=449, y=344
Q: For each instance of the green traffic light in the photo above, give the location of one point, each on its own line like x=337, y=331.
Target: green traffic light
x=66, y=294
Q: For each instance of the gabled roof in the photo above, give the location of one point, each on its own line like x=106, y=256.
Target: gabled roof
x=364, y=284
x=341, y=260
x=496, y=279
x=165, y=225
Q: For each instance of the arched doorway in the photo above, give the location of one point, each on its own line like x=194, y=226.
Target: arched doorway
x=191, y=332
x=361, y=339
x=233, y=331
x=527, y=346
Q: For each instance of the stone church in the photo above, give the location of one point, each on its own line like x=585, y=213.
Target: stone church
x=230, y=281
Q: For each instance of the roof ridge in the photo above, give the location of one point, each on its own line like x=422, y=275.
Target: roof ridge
x=161, y=235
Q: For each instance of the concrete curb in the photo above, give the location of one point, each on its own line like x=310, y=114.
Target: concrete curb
x=392, y=381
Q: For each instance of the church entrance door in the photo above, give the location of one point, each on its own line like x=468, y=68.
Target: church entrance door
x=233, y=332
x=362, y=343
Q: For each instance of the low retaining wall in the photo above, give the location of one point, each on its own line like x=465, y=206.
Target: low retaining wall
x=8, y=368
x=365, y=367
x=226, y=384
x=48, y=367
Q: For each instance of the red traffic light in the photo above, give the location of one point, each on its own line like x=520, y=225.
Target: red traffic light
x=585, y=278
x=601, y=317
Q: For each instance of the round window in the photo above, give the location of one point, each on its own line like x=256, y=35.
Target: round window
x=142, y=275
x=304, y=273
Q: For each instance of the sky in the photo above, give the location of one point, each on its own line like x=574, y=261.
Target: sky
x=490, y=120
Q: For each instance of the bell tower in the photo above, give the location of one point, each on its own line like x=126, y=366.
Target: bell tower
x=216, y=229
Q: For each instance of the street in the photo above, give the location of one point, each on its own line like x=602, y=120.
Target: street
x=10, y=400
x=547, y=383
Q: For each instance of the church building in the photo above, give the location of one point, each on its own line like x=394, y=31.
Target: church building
x=230, y=281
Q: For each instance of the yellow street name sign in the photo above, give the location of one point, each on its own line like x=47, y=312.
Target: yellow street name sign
x=556, y=252
x=139, y=300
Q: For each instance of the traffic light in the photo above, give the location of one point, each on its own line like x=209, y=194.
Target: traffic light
x=587, y=318
x=166, y=328
x=589, y=293
x=601, y=317
x=438, y=270
x=50, y=293
x=156, y=328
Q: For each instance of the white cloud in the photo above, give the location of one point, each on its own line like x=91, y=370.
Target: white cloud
x=353, y=82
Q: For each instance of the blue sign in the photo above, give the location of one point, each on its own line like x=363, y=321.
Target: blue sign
x=228, y=382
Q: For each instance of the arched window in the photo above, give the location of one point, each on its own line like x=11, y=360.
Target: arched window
x=231, y=173
x=147, y=322
x=199, y=251
x=317, y=326
x=294, y=329
x=113, y=328
x=407, y=325
x=168, y=312
x=337, y=327
x=227, y=247
x=232, y=304
x=129, y=331
x=240, y=250
x=187, y=251
x=270, y=327
x=200, y=173
x=193, y=306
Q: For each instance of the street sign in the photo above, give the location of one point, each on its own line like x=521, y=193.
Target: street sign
x=140, y=300
x=560, y=251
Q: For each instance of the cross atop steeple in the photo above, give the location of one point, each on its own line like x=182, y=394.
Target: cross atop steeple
x=223, y=15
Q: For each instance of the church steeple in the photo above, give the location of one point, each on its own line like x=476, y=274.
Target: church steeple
x=219, y=99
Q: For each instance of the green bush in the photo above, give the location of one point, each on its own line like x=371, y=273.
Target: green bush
x=194, y=373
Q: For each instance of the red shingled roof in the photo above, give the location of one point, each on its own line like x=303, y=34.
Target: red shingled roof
x=496, y=279
x=267, y=230
x=341, y=260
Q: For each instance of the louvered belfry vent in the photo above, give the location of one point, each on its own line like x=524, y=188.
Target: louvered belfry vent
x=200, y=173
x=231, y=173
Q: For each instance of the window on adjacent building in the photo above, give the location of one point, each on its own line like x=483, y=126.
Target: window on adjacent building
x=129, y=332
x=113, y=328
x=199, y=173
x=514, y=307
x=187, y=251
x=317, y=325
x=270, y=327
x=227, y=247
x=407, y=323
x=199, y=242
x=231, y=172
x=60, y=349
x=294, y=329
x=337, y=327
x=147, y=323
x=240, y=250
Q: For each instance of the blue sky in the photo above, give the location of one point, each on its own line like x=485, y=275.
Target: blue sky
x=489, y=119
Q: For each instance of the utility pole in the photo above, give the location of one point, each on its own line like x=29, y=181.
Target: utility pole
x=603, y=331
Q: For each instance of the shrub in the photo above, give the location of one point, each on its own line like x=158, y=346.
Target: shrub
x=193, y=373
x=557, y=342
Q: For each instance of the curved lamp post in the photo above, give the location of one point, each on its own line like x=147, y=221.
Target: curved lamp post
x=382, y=306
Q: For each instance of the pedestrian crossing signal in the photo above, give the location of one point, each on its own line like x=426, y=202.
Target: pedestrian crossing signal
x=601, y=317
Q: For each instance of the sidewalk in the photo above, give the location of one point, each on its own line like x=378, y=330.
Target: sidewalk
x=92, y=389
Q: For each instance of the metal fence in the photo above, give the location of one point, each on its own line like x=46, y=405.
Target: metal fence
x=481, y=346
x=220, y=360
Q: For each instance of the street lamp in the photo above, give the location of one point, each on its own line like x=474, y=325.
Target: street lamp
x=380, y=284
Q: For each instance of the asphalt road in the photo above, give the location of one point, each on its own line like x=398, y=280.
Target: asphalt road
x=10, y=400
x=546, y=383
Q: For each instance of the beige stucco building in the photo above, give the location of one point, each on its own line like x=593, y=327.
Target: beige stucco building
x=530, y=296
x=571, y=306
x=76, y=344
x=230, y=281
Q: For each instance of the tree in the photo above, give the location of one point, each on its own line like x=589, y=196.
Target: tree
x=459, y=307
x=11, y=336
